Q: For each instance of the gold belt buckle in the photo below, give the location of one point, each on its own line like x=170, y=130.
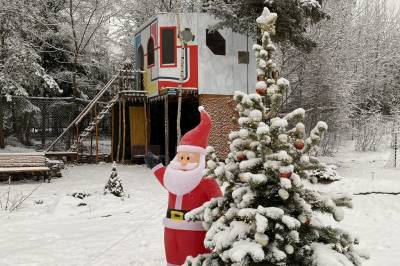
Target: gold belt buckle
x=177, y=216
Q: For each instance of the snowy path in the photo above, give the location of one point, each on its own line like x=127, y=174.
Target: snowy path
x=109, y=231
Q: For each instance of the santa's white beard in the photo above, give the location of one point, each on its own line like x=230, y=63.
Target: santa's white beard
x=180, y=182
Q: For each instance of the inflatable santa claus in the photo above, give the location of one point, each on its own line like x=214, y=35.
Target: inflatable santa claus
x=187, y=189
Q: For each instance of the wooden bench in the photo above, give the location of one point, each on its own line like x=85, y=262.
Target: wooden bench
x=24, y=163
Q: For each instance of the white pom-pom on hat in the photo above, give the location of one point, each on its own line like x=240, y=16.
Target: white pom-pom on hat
x=201, y=108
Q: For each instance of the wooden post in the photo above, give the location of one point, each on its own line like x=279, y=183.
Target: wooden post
x=43, y=124
x=166, y=129
x=97, y=134
x=146, y=143
x=123, y=129
x=91, y=138
x=112, y=133
x=77, y=143
x=119, y=129
x=120, y=82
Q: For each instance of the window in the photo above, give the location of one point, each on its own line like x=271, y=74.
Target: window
x=215, y=42
x=243, y=57
x=150, y=52
x=168, y=46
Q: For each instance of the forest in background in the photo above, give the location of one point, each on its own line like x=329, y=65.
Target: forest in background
x=341, y=56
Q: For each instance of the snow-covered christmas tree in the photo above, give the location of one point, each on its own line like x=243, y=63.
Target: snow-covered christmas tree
x=268, y=216
x=114, y=184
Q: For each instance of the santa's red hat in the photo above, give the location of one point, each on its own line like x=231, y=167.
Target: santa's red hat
x=196, y=140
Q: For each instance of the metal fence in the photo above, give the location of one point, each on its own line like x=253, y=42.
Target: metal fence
x=35, y=122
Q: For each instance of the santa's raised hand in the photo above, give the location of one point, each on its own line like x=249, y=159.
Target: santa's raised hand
x=187, y=189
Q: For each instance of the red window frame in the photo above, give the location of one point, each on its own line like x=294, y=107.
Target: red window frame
x=175, y=47
x=154, y=52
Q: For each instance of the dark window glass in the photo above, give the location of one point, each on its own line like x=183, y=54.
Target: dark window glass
x=216, y=42
x=150, y=52
x=243, y=57
x=168, y=46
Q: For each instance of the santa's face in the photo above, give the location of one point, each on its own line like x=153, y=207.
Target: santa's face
x=184, y=172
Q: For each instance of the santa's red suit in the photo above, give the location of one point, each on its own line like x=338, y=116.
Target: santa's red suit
x=184, y=238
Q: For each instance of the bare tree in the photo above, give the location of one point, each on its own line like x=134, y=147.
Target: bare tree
x=86, y=19
x=352, y=72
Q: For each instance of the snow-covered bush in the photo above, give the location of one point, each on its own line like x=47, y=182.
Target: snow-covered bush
x=114, y=184
x=369, y=131
x=326, y=174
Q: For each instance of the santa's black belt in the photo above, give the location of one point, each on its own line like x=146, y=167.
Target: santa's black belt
x=175, y=214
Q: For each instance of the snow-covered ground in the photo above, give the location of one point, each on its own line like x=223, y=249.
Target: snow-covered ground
x=109, y=231
x=375, y=218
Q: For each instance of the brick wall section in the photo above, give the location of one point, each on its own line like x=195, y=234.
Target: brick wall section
x=224, y=117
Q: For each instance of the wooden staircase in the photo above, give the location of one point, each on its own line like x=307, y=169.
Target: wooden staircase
x=92, y=125
x=118, y=89
x=84, y=113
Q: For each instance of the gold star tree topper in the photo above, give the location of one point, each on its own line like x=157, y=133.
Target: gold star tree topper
x=267, y=21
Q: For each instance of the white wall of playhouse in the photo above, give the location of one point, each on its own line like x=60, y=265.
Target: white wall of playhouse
x=211, y=61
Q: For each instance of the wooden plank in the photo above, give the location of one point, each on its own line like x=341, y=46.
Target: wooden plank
x=123, y=129
x=119, y=130
x=23, y=153
x=137, y=125
x=17, y=160
x=77, y=143
x=24, y=169
x=60, y=153
x=21, y=164
x=39, y=160
x=97, y=134
x=22, y=156
x=28, y=157
x=92, y=115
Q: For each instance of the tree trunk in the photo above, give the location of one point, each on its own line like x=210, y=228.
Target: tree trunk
x=28, y=129
x=74, y=70
x=2, y=103
x=24, y=127
x=2, y=99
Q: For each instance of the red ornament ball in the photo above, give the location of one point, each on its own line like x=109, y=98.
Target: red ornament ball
x=260, y=92
x=299, y=144
x=285, y=175
x=241, y=157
